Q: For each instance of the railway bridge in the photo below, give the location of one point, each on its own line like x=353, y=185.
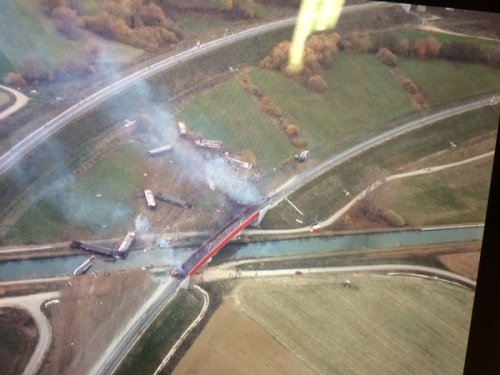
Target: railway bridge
x=217, y=241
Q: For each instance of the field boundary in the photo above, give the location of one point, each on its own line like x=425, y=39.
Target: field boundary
x=178, y=343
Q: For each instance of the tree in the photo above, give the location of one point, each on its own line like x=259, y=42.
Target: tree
x=385, y=56
x=420, y=48
x=317, y=83
x=433, y=47
x=461, y=51
x=67, y=21
x=14, y=79
x=388, y=40
x=403, y=48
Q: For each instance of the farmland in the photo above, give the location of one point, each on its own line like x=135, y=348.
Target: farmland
x=242, y=347
x=452, y=196
x=377, y=326
x=474, y=132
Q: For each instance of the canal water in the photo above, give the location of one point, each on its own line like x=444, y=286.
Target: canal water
x=64, y=266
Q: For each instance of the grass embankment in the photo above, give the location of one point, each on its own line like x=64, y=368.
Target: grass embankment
x=474, y=132
x=380, y=325
x=19, y=337
x=150, y=350
x=165, y=331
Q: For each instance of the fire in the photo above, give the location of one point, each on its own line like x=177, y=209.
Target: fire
x=314, y=15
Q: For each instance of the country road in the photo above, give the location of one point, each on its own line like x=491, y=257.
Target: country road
x=221, y=272
x=21, y=101
x=32, y=303
x=338, y=214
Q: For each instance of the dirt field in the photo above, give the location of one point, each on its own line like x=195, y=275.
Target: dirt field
x=379, y=325
x=232, y=343
x=89, y=315
x=19, y=336
x=464, y=264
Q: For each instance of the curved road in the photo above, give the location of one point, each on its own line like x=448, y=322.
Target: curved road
x=11, y=157
x=20, y=102
x=32, y=304
x=337, y=215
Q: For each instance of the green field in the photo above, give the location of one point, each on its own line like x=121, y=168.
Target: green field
x=76, y=206
x=362, y=98
x=324, y=196
x=33, y=37
x=149, y=351
x=444, y=81
x=381, y=325
x=229, y=114
x=454, y=196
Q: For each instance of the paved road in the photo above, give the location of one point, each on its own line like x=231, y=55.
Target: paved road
x=32, y=303
x=21, y=101
x=11, y=157
x=219, y=273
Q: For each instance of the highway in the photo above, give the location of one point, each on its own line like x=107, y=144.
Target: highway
x=12, y=156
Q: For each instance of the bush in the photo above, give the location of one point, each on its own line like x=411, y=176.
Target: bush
x=462, y=51
x=316, y=83
x=291, y=130
x=14, y=79
x=393, y=218
x=385, y=56
x=267, y=106
x=389, y=40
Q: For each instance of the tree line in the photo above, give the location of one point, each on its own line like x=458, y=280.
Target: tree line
x=322, y=49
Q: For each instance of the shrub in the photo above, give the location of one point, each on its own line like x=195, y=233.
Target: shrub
x=385, y=56
x=393, y=218
x=14, y=79
x=316, y=83
x=388, y=40
x=267, y=105
x=291, y=130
